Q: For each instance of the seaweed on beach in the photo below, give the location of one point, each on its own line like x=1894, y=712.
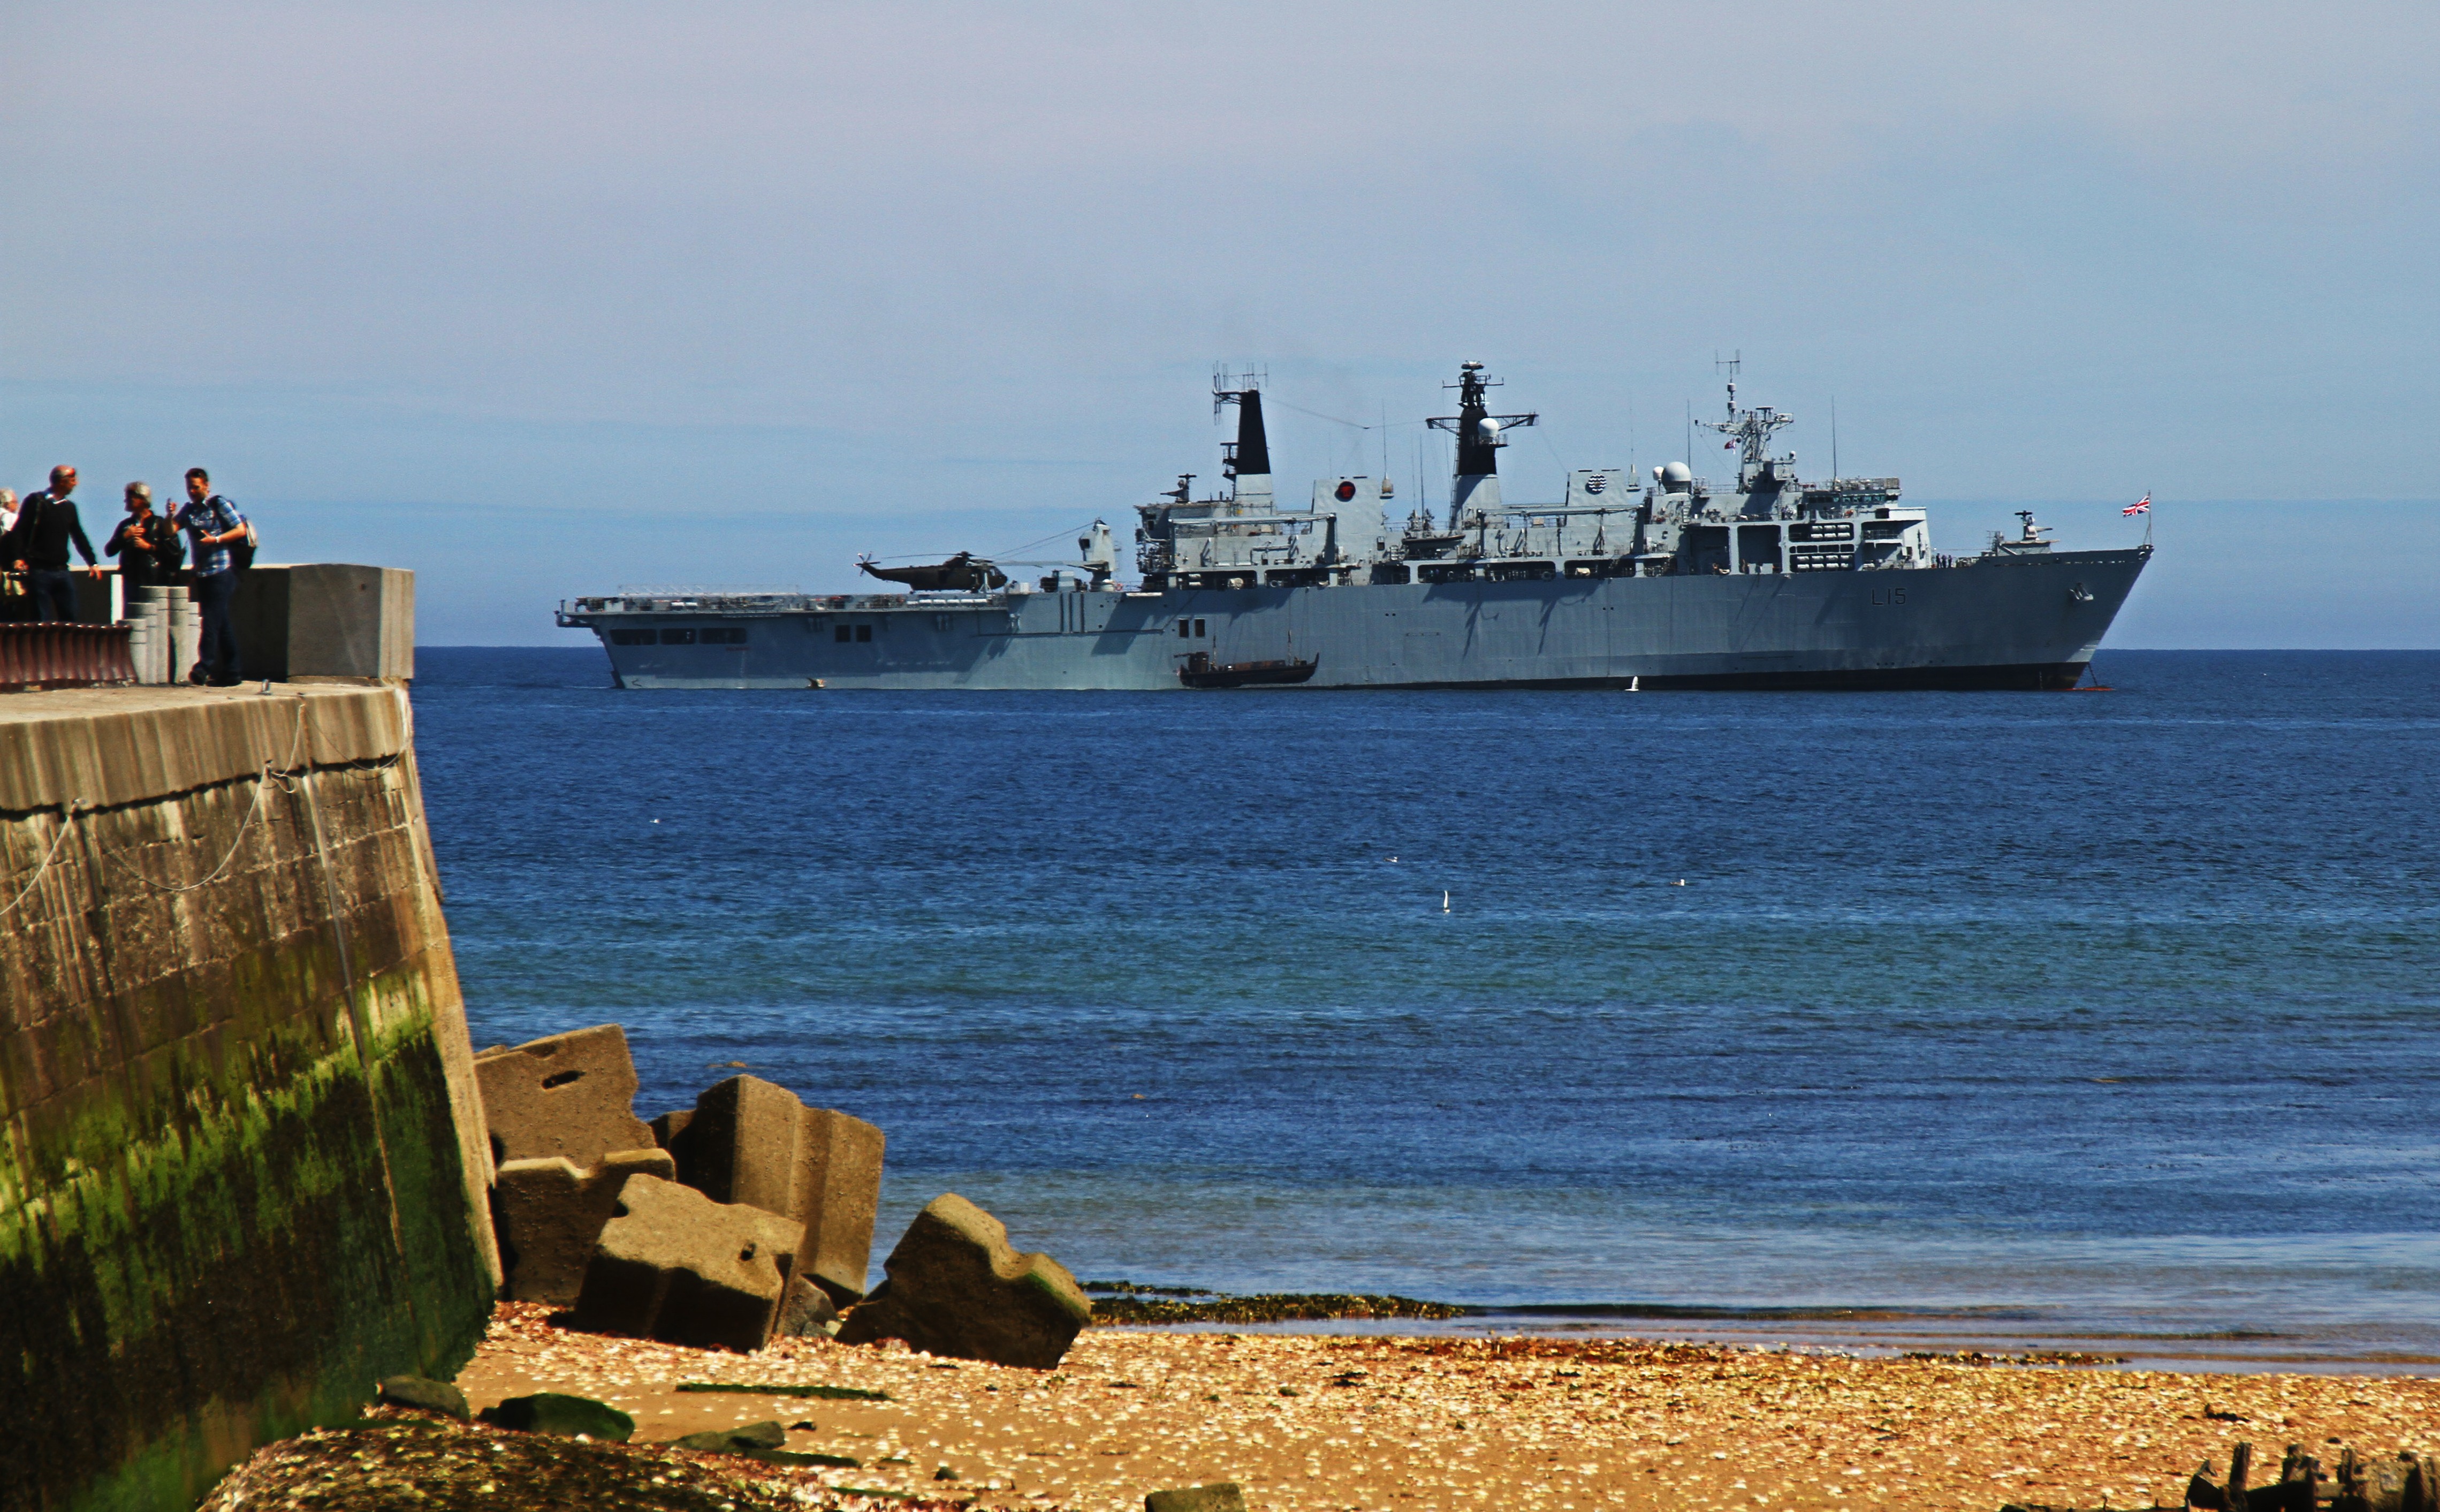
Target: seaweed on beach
x=1133, y=1288
x=805, y=1389
x=1269, y=1308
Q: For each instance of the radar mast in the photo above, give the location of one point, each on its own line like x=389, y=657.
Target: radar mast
x=1474, y=496
x=1750, y=432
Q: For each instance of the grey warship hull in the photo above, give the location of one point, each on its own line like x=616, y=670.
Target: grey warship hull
x=2031, y=621
x=1772, y=581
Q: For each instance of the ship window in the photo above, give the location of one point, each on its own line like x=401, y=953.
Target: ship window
x=678, y=637
x=842, y=634
x=717, y=637
x=1199, y=631
x=864, y=632
x=1185, y=628
x=631, y=637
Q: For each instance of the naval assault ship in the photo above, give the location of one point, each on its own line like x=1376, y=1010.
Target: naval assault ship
x=1769, y=583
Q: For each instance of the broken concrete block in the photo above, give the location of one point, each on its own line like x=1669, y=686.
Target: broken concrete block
x=571, y=1095
x=955, y=1288
x=805, y=1309
x=566, y=1416
x=1220, y=1496
x=548, y=1215
x=751, y=1140
x=674, y=1264
x=669, y=1132
x=424, y=1394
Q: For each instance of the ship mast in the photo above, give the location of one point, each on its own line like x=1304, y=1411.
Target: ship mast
x=1749, y=431
x=1474, y=493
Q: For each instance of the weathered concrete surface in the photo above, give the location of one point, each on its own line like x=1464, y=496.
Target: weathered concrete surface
x=550, y=1215
x=751, y=1140
x=312, y=620
x=571, y=1095
x=956, y=1287
x=674, y=1264
x=241, y=1161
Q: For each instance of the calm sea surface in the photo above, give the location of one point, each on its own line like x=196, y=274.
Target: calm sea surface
x=2103, y=1020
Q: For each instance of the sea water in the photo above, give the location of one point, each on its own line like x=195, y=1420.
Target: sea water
x=2104, y=1016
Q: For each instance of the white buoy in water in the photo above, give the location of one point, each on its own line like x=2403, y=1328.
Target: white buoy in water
x=1444, y=900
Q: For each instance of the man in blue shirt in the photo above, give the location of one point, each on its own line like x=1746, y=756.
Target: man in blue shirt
x=214, y=524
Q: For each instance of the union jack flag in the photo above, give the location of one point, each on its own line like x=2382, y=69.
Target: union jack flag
x=2141, y=505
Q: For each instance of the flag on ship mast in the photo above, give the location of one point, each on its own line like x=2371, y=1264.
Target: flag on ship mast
x=2141, y=505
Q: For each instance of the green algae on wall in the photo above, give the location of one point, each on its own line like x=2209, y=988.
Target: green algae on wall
x=231, y=1186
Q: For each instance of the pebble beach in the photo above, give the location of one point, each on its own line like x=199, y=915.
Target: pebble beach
x=1434, y=1424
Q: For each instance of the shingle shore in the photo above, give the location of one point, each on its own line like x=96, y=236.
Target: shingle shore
x=1430, y=1425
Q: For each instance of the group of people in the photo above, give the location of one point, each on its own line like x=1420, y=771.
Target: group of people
x=35, y=537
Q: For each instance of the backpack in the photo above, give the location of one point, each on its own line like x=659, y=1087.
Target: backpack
x=241, y=551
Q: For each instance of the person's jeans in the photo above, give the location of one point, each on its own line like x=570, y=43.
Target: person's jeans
x=215, y=599
x=53, y=594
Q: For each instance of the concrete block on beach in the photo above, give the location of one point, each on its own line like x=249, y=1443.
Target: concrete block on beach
x=571, y=1095
x=674, y=1264
x=669, y=1132
x=550, y=1215
x=751, y=1140
x=956, y=1287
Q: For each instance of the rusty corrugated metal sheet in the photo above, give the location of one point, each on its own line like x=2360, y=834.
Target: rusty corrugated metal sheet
x=60, y=655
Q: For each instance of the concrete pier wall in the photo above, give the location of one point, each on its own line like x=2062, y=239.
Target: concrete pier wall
x=241, y=1160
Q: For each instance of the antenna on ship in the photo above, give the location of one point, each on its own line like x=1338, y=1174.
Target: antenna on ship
x=1834, y=438
x=1474, y=484
x=1749, y=433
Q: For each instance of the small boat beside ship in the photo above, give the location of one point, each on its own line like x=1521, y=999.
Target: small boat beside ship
x=1200, y=671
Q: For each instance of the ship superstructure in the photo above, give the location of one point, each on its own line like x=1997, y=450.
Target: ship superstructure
x=1769, y=581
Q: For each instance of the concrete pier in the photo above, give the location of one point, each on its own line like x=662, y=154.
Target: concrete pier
x=241, y=1161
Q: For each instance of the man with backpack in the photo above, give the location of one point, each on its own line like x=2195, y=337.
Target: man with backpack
x=217, y=529
x=37, y=545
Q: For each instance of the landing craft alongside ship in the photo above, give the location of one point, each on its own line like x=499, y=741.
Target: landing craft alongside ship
x=1772, y=582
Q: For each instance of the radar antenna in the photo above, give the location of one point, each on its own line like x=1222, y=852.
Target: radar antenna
x=1475, y=482
x=1473, y=407
x=1749, y=431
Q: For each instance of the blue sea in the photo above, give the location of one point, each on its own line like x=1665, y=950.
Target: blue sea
x=2105, y=1021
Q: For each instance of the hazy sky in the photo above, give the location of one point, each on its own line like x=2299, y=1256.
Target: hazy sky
x=539, y=298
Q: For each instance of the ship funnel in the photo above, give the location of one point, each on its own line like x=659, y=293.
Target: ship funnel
x=1246, y=462
x=1253, y=445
